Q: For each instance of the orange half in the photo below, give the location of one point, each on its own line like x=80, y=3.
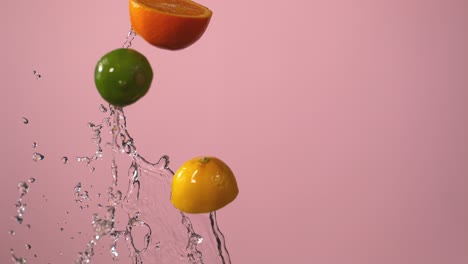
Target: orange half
x=169, y=24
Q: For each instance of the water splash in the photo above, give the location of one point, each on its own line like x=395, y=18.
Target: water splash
x=23, y=189
x=102, y=108
x=97, y=139
x=128, y=40
x=80, y=195
x=136, y=253
x=15, y=259
x=193, y=254
x=102, y=227
x=150, y=233
x=142, y=211
x=222, y=250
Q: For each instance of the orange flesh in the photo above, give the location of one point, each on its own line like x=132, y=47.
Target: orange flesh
x=176, y=7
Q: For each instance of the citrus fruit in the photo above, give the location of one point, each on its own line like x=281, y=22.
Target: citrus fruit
x=123, y=76
x=169, y=24
x=202, y=185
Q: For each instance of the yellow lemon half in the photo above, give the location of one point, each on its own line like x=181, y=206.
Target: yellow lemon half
x=202, y=185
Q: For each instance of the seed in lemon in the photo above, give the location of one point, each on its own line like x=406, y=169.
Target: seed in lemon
x=203, y=185
x=123, y=76
x=169, y=24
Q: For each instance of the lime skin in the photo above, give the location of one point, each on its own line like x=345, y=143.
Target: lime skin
x=123, y=76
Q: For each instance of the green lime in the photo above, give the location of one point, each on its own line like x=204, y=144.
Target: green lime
x=123, y=76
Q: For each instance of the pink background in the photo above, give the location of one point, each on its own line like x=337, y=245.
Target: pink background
x=345, y=122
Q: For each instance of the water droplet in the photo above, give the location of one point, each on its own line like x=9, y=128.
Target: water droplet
x=34, y=144
x=25, y=121
x=196, y=239
x=107, y=121
x=37, y=156
x=102, y=108
x=85, y=195
x=37, y=75
x=64, y=160
x=83, y=159
x=23, y=188
x=21, y=209
x=19, y=219
x=78, y=188
x=11, y=232
x=28, y=246
x=114, y=251
x=128, y=40
x=32, y=180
